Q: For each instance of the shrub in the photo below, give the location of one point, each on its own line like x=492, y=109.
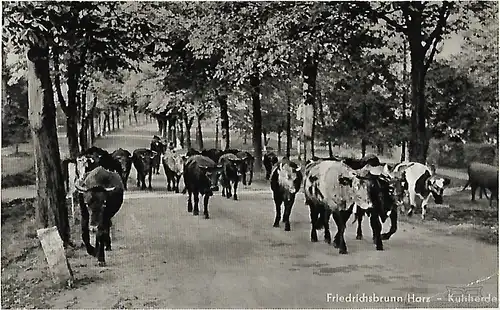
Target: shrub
x=459, y=155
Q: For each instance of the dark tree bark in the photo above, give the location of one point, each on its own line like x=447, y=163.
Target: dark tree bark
x=188, y=121
x=118, y=118
x=51, y=206
x=173, y=127
x=165, y=128
x=83, y=123
x=92, y=123
x=217, y=133
x=113, y=119
x=160, y=125
x=330, y=148
x=224, y=121
x=257, y=119
x=135, y=115
x=288, y=124
x=180, y=130
x=199, y=132
x=129, y=118
x=405, y=98
x=310, y=73
x=279, y=142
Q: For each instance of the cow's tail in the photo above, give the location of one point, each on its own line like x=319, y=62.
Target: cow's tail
x=466, y=185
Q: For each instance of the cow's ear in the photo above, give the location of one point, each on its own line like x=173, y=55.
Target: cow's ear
x=447, y=181
x=433, y=169
x=345, y=181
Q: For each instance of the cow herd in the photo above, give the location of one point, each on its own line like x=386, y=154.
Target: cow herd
x=336, y=187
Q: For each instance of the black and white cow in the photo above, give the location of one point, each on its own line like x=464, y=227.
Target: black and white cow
x=143, y=163
x=332, y=187
x=101, y=192
x=232, y=171
x=125, y=159
x=422, y=183
x=173, y=165
x=286, y=180
x=269, y=160
x=200, y=177
x=159, y=147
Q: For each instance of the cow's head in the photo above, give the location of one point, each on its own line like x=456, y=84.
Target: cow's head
x=355, y=187
x=290, y=176
x=237, y=165
x=86, y=163
x=147, y=158
x=436, y=186
x=211, y=175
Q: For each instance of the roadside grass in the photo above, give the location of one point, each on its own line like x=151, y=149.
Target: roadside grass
x=26, y=279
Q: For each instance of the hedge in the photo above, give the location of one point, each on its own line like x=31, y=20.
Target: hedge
x=459, y=155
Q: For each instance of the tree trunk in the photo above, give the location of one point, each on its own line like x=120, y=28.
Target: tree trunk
x=199, y=133
x=129, y=118
x=419, y=142
x=51, y=206
x=118, y=118
x=84, y=123
x=245, y=137
x=405, y=98
x=309, y=74
x=189, y=124
x=279, y=142
x=330, y=148
x=224, y=121
x=135, y=115
x=217, y=133
x=180, y=130
x=363, y=147
x=257, y=119
x=92, y=124
x=113, y=119
x=174, y=130
x=288, y=124
x=164, y=128
x=160, y=125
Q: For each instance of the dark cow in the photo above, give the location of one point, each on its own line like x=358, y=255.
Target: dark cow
x=200, y=177
x=286, y=179
x=248, y=161
x=483, y=176
x=213, y=154
x=125, y=159
x=173, y=165
x=159, y=147
x=269, y=160
x=101, y=193
x=143, y=163
x=95, y=157
x=192, y=152
x=332, y=187
x=421, y=181
x=232, y=171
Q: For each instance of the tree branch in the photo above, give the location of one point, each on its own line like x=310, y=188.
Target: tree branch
x=431, y=56
x=383, y=16
x=57, y=81
x=444, y=13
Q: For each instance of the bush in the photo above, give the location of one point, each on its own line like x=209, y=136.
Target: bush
x=459, y=155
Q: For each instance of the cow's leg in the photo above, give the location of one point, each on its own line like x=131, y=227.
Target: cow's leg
x=244, y=177
x=288, y=204
x=338, y=240
x=394, y=225
x=235, y=196
x=278, y=200
x=150, y=172
x=196, y=209
x=268, y=173
x=424, y=206
x=412, y=203
x=85, y=226
x=376, y=229
x=176, y=182
x=101, y=238
x=473, y=188
x=314, y=218
x=139, y=178
x=190, y=202
x=206, y=197
x=326, y=223
x=359, y=218
x=250, y=176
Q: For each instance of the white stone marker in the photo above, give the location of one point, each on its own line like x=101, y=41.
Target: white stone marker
x=52, y=245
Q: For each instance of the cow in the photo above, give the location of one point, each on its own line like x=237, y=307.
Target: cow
x=269, y=160
x=101, y=192
x=125, y=159
x=213, y=154
x=232, y=171
x=421, y=181
x=192, y=152
x=286, y=180
x=333, y=188
x=159, y=147
x=247, y=166
x=483, y=176
x=173, y=165
x=143, y=162
x=200, y=177
x=94, y=157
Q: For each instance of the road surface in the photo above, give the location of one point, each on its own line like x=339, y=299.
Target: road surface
x=164, y=257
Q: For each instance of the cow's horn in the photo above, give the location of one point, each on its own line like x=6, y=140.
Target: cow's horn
x=109, y=189
x=91, y=160
x=298, y=169
x=80, y=188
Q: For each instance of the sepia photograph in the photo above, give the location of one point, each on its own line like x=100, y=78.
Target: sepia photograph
x=249, y=154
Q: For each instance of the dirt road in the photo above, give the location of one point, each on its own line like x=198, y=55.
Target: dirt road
x=164, y=257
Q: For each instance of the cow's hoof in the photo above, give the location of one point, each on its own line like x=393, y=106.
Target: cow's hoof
x=102, y=264
x=196, y=212
x=169, y=188
x=314, y=239
x=108, y=248
x=207, y=216
x=235, y=197
x=287, y=228
x=328, y=240
x=359, y=237
x=150, y=188
x=380, y=248
x=276, y=224
x=190, y=210
x=385, y=236
x=343, y=251
x=177, y=191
